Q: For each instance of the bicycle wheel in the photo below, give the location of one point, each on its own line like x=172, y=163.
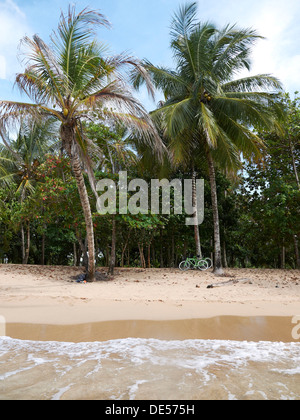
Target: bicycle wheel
x=209, y=262
x=193, y=263
x=202, y=265
x=184, y=266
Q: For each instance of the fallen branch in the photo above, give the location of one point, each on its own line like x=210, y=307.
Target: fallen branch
x=228, y=283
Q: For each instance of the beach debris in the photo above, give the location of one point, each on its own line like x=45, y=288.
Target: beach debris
x=81, y=279
x=228, y=283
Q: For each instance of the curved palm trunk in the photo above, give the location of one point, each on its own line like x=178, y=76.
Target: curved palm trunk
x=25, y=244
x=76, y=167
x=218, y=269
x=294, y=163
x=67, y=135
x=297, y=251
x=111, y=269
x=195, y=208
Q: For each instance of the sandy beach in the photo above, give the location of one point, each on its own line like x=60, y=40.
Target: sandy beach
x=51, y=295
x=148, y=334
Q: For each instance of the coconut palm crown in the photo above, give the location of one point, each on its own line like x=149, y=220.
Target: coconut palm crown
x=208, y=110
x=69, y=80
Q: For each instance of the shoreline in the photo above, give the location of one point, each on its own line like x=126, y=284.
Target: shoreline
x=224, y=328
x=51, y=313
x=50, y=295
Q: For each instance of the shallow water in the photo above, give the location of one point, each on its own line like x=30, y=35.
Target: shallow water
x=260, y=328
x=176, y=363
x=142, y=369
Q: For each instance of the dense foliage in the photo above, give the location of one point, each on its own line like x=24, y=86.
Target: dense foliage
x=259, y=209
x=84, y=125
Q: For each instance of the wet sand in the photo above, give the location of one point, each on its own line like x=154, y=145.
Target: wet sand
x=148, y=334
x=217, y=328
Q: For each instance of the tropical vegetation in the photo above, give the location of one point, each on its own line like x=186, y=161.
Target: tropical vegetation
x=82, y=123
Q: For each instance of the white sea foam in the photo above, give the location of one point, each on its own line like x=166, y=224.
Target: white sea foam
x=134, y=368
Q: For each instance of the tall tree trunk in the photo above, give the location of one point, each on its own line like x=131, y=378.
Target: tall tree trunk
x=124, y=250
x=112, y=264
x=195, y=208
x=43, y=249
x=142, y=257
x=68, y=138
x=27, y=248
x=185, y=250
x=107, y=256
x=173, y=251
x=297, y=251
x=75, y=254
x=149, y=255
x=225, y=255
x=128, y=256
x=85, y=203
x=282, y=257
x=161, y=250
x=83, y=248
x=23, y=243
x=211, y=249
x=22, y=230
x=218, y=269
x=153, y=254
x=294, y=163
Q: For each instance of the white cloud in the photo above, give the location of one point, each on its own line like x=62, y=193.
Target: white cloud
x=13, y=27
x=2, y=67
x=15, y=7
x=277, y=21
x=278, y=54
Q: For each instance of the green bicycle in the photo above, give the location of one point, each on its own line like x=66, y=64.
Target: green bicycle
x=194, y=264
x=209, y=262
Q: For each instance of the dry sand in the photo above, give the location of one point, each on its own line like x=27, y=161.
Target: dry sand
x=50, y=295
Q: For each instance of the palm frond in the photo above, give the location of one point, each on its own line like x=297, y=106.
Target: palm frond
x=251, y=112
x=243, y=137
x=138, y=71
x=181, y=28
x=92, y=70
x=232, y=51
x=11, y=112
x=208, y=125
x=227, y=154
x=43, y=78
x=141, y=127
x=73, y=34
x=202, y=37
x=181, y=151
x=184, y=21
x=162, y=78
x=258, y=83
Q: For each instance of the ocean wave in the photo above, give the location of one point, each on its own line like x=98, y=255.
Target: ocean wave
x=136, y=368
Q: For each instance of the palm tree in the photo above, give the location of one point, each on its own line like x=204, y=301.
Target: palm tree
x=69, y=80
x=19, y=161
x=117, y=154
x=207, y=108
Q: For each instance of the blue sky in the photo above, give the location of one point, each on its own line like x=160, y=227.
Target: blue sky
x=141, y=27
